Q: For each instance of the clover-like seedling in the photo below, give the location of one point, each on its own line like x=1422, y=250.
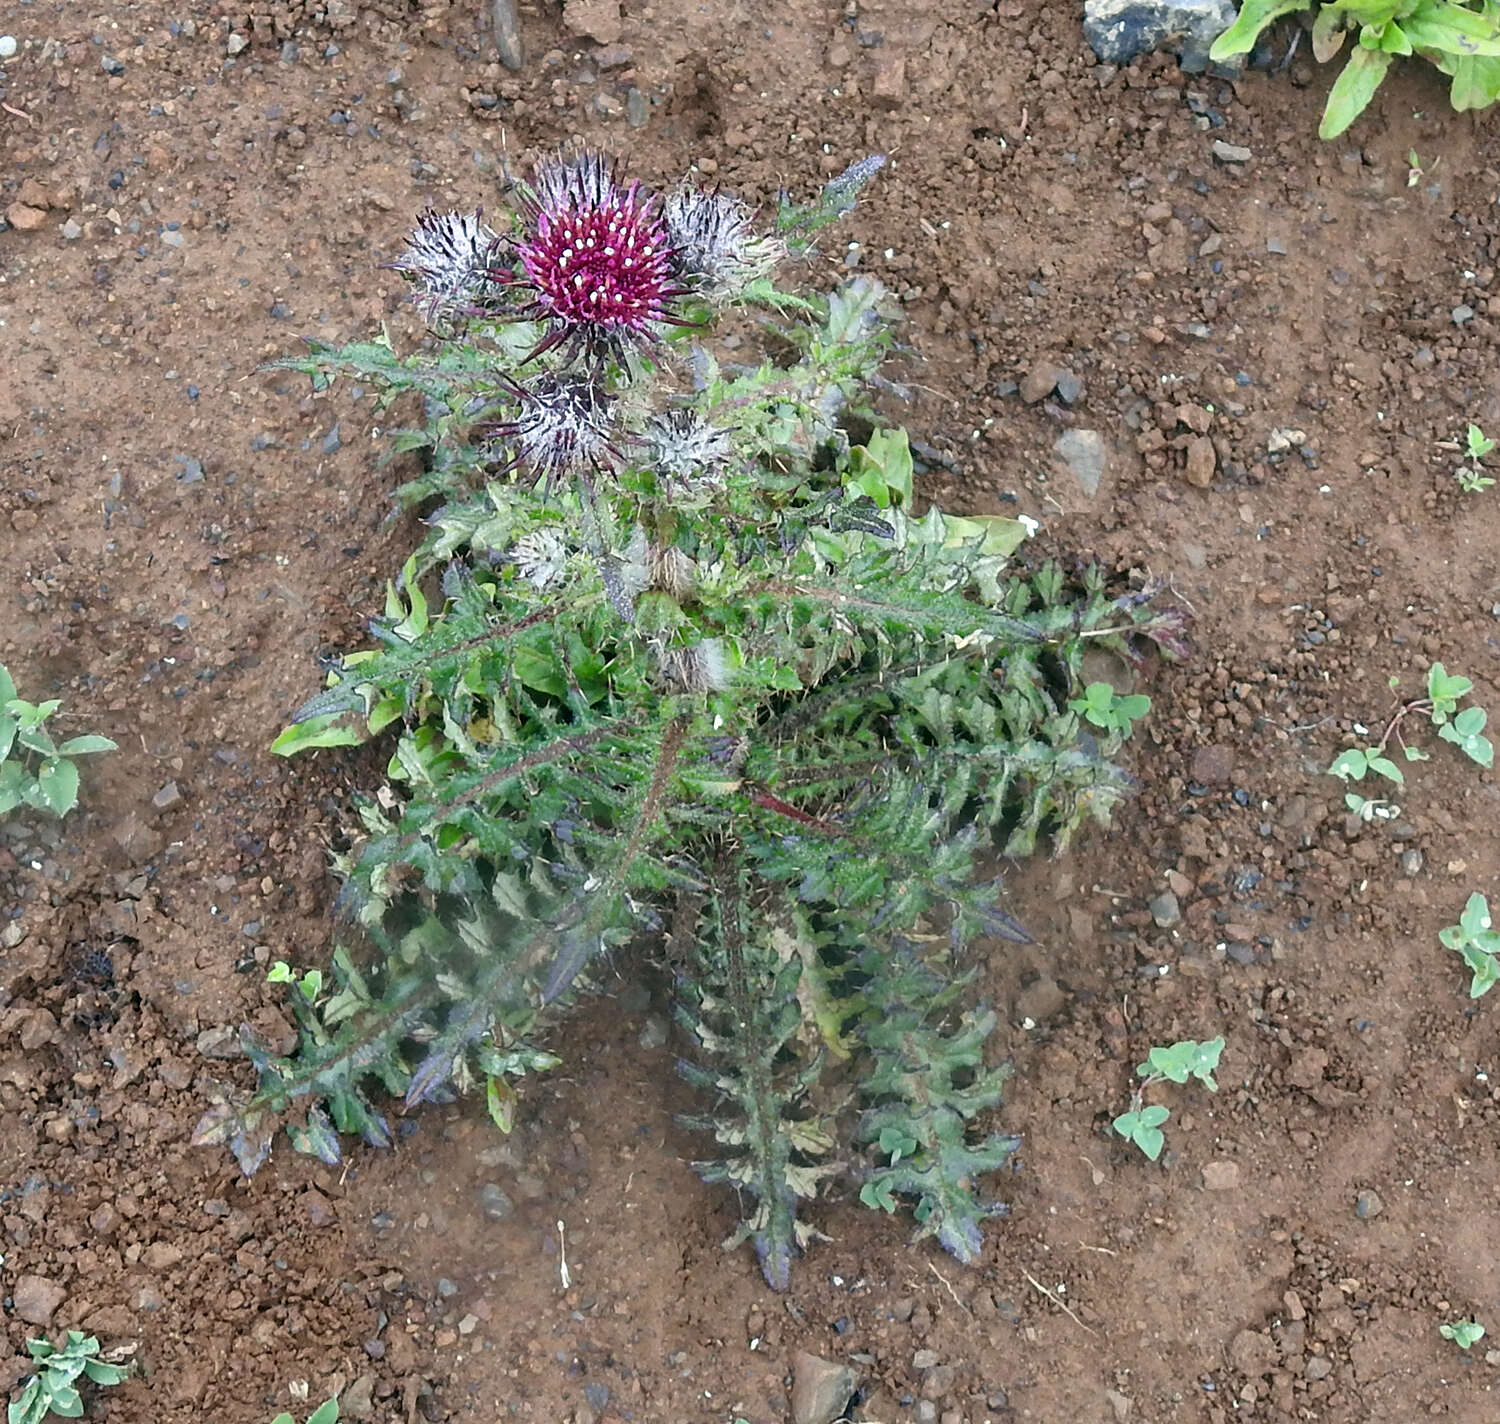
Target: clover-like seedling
x=1355, y=763
x=53, y=1389
x=1477, y=442
x=1142, y=1126
x=1174, y=1064
x=1475, y=940
x=1105, y=708
x=1464, y=1333
x=1188, y=1059
x=1443, y=691
x=325, y=1413
x=1466, y=732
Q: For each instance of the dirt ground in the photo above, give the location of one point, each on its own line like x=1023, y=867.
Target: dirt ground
x=190, y=187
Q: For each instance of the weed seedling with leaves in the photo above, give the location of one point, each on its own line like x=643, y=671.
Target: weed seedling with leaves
x=34, y=769
x=325, y=1413
x=1464, y=727
x=1175, y=1064
x=1460, y=37
x=53, y=1389
x=1475, y=939
x=1464, y=1333
x=1108, y=710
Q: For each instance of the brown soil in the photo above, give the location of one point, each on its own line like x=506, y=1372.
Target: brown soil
x=184, y=536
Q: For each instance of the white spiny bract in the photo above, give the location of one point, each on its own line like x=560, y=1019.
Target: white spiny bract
x=715, y=245
x=685, y=450
x=540, y=557
x=451, y=260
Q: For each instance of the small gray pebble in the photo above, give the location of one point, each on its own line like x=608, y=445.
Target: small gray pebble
x=494, y=1202
x=1367, y=1205
x=1165, y=910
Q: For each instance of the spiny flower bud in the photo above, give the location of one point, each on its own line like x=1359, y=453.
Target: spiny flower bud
x=704, y=667
x=540, y=557
x=451, y=259
x=563, y=426
x=597, y=261
x=717, y=251
x=686, y=451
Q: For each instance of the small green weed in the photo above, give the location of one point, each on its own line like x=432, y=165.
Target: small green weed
x=1105, y=708
x=1477, y=443
x=1475, y=939
x=1463, y=1333
x=1462, y=39
x=325, y=1413
x=309, y=983
x=53, y=1389
x=1188, y=1059
x=1463, y=727
x=34, y=770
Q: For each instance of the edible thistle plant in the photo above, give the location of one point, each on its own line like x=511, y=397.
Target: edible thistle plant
x=679, y=671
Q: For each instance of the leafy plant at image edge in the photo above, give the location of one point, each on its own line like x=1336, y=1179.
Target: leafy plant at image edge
x=689, y=671
x=53, y=1389
x=53, y=785
x=1460, y=37
x=1474, y=938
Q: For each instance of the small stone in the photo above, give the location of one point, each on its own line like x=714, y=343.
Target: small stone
x=494, y=1202
x=1165, y=911
x=840, y=56
x=597, y=20
x=1119, y=1404
x=220, y=1042
x=34, y=1299
x=1212, y=765
x=1221, y=1176
x=653, y=1034
x=236, y=44
x=1367, y=1205
x=615, y=56
x=1202, y=461
x=358, y=1401
x=24, y=218
x=1411, y=862
x=1462, y=314
x=1319, y=1367
x=71, y=230
x=167, y=797
x=1119, y=30
x=161, y=1256
x=1040, y=381
x=1070, y=387
x=507, y=22
x=7, y=46
x=192, y=469
x=1039, y=1001
x=820, y=1389
x=333, y=440
x=1276, y=247
x=637, y=108
x=924, y=1359
x=888, y=88
x=1086, y=456
x=1231, y=152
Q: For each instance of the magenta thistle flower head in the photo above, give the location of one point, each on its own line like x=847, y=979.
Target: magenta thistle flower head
x=451, y=260
x=597, y=260
x=565, y=425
